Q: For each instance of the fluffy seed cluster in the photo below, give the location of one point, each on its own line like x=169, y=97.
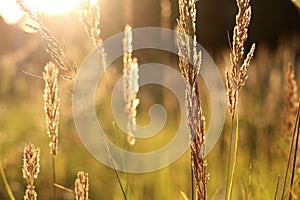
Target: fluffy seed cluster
x=291, y=101
x=82, y=186
x=57, y=50
x=90, y=17
x=30, y=170
x=130, y=83
x=189, y=65
x=236, y=74
x=51, y=104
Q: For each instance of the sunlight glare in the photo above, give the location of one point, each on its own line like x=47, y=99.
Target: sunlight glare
x=11, y=13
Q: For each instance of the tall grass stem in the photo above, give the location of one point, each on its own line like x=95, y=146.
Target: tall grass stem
x=295, y=153
x=53, y=176
x=4, y=179
x=229, y=157
x=289, y=158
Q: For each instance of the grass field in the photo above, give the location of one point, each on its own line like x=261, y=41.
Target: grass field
x=265, y=107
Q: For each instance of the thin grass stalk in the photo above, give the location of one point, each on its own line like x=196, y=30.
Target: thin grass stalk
x=128, y=189
x=119, y=180
x=289, y=157
x=5, y=182
x=229, y=158
x=249, y=180
x=90, y=18
x=234, y=156
x=53, y=176
x=192, y=181
x=276, y=189
x=295, y=155
x=63, y=188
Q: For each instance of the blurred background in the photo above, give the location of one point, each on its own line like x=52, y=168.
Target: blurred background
x=275, y=28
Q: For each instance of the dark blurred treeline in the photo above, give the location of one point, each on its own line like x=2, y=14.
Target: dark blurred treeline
x=271, y=20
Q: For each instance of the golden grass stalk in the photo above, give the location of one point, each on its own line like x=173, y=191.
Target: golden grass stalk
x=130, y=83
x=82, y=186
x=236, y=76
x=196, y=121
x=30, y=170
x=57, y=50
x=51, y=104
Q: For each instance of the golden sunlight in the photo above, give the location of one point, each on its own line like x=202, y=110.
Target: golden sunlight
x=11, y=13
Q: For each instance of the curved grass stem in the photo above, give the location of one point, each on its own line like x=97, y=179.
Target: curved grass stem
x=4, y=179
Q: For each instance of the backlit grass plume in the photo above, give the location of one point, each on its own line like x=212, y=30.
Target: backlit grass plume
x=51, y=104
x=30, y=170
x=90, y=17
x=56, y=49
x=291, y=101
x=82, y=186
x=236, y=76
x=131, y=85
x=190, y=71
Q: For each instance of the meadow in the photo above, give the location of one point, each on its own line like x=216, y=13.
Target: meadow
x=266, y=115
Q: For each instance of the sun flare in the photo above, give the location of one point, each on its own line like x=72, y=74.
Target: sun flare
x=11, y=13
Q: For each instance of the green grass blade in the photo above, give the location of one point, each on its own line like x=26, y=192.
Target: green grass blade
x=7, y=187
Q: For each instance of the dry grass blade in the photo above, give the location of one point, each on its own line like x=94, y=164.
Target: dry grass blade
x=57, y=50
x=189, y=65
x=82, y=186
x=30, y=169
